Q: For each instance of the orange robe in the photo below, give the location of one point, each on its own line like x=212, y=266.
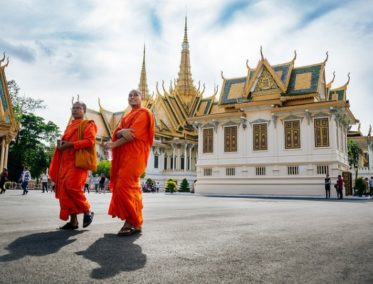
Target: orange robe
x=69, y=180
x=128, y=164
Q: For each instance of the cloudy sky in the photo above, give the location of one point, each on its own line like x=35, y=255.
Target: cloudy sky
x=93, y=48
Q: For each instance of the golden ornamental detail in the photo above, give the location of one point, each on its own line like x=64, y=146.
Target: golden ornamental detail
x=265, y=82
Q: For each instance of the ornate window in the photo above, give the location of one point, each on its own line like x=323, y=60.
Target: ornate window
x=321, y=132
x=260, y=136
x=156, y=158
x=230, y=171
x=293, y=170
x=260, y=171
x=208, y=140
x=182, y=161
x=292, y=134
x=322, y=169
x=165, y=162
x=207, y=172
x=230, y=139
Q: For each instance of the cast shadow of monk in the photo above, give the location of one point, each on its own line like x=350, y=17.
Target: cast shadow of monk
x=114, y=254
x=39, y=244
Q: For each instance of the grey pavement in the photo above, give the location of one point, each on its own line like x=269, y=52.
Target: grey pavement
x=190, y=239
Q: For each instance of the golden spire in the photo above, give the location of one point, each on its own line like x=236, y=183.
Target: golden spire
x=143, y=85
x=184, y=85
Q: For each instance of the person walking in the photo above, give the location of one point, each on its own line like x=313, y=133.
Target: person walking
x=25, y=178
x=86, y=185
x=327, y=186
x=102, y=183
x=340, y=187
x=130, y=146
x=96, y=182
x=44, y=183
x=3, y=179
x=68, y=178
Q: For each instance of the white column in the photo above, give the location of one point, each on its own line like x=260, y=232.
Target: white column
x=2, y=153
x=185, y=157
x=6, y=156
x=173, y=158
x=190, y=157
x=370, y=154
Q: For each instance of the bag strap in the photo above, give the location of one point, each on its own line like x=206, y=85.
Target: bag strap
x=82, y=126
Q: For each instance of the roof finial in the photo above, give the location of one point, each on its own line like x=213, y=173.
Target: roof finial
x=247, y=64
x=327, y=56
x=221, y=74
x=348, y=81
x=261, y=52
x=186, y=31
x=143, y=85
x=7, y=62
x=295, y=55
x=370, y=130
x=3, y=58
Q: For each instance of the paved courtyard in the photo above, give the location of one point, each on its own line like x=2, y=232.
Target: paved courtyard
x=190, y=239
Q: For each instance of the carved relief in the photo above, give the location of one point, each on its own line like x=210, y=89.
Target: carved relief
x=265, y=82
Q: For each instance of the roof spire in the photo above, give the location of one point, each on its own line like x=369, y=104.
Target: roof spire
x=143, y=85
x=184, y=86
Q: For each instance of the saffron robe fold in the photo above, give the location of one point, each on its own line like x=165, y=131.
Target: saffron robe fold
x=69, y=180
x=128, y=164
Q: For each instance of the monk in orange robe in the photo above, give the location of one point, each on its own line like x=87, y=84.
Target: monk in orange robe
x=69, y=180
x=130, y=145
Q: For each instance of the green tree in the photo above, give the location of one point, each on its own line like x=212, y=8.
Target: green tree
x=170, y=186
x=34, y=143
x=32, y=147
x=184, y=186
x=23, y=104
x=103, y=167
x=353, y=156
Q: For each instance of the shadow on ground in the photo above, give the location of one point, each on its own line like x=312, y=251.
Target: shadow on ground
x=39, y=244
x=114, y=255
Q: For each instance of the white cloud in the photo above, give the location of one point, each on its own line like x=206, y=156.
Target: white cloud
x=94, y=48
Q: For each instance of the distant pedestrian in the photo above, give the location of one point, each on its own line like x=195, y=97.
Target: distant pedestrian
x=371, y=185
x=340, y=187
x=44, y=182
x=3, y=179
x=86, y=185
x=25, y=178
x=102, y=183
x=96, y=181
x=327, y=187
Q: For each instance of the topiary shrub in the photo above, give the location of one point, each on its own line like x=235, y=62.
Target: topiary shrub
x=170, y=186
x=360, y=186
x=184, y=186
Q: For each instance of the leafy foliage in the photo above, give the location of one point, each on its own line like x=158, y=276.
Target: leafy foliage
x=23, y=104
x=360, y=186
x=103, y=166
x=353, y=156
x=34, y=144
x=170, y=186
x=184, y=186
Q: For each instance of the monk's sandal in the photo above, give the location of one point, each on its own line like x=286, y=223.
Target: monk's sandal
x=87, y=219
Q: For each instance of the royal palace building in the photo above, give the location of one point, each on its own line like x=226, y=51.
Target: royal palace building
x=278, y=129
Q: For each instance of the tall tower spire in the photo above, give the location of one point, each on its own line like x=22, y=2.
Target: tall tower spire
x=184, y=84
x=143, y=85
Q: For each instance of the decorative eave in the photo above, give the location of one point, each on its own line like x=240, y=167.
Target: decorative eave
x=261, y=64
